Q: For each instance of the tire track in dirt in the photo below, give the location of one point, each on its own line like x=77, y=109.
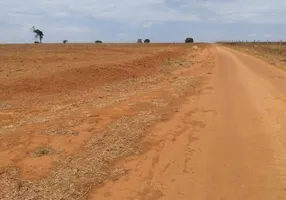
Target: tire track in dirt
x=227, y=142
x=145, y=178
x=267, y=94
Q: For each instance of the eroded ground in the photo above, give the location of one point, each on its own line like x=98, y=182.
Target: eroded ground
x=69, y=112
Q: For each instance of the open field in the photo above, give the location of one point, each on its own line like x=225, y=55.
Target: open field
x=142, y=122
x=68, y=112
x=272, y=52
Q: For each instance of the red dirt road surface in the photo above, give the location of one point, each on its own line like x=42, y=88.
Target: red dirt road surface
x=142, y=122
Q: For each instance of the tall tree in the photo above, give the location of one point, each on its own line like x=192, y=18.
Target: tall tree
x=39, y=33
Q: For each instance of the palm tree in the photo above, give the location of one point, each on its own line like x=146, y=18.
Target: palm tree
x=39, y=33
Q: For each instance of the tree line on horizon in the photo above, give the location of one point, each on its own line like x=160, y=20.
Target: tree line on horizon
x=40, y=34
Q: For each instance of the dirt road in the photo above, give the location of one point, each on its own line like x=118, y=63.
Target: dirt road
x=228, y=143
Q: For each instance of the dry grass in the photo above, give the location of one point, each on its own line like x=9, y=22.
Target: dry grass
x=171, y=64
x=60, y=132
x=43, y=151
x=73, y=176
x=4, y=105
x=274, y=53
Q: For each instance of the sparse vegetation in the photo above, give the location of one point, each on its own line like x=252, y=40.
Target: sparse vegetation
x=171, y=61
x=272, y=52
x=65, y=41
x=60, y=132
x=38, y=33
x=189, y=40
x=139, y=41
x=42, y=151
x=171, y=64
x=83, y=125
x=98, y=41
x=147, y=41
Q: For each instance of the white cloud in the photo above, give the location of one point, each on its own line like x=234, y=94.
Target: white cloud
x=122, y=35
x=75, y=16
x=255, y=11
x=150, y=24
x=71, y=29
x=138, y=11
x=61, y=14
x=134, y=11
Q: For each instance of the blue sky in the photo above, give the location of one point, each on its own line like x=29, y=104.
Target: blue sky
x=128, y=20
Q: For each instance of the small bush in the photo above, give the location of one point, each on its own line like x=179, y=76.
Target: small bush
x=98, y=41
x=36, y=42
x=65, y=41
x=139, y=41
x=147, y=41
x=42, y=151
x=189, y=40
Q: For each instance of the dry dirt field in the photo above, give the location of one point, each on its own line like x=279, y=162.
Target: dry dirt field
x=142, y=122
x=69, y=112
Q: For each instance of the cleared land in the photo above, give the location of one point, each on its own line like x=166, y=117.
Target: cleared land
x=142, y=122
x=68, y=112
